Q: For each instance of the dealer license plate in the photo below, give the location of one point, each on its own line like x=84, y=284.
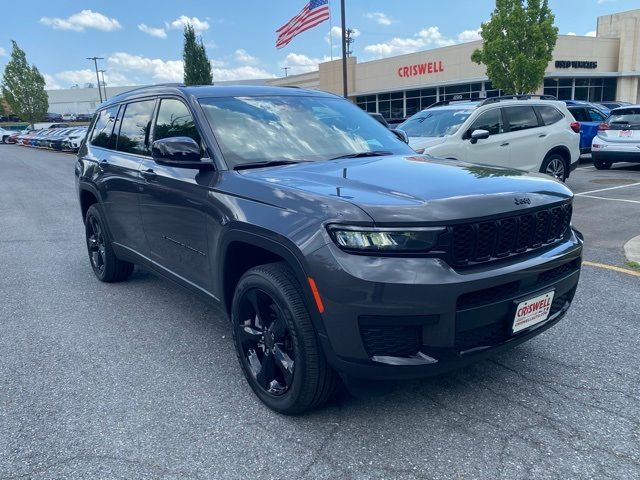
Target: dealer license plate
x=532, y=311
x=625, y=133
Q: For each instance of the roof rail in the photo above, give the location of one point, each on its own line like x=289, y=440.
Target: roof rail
x=515, y=97
x=152, y=86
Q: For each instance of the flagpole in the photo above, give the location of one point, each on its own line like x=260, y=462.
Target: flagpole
x=344, y=51
x=330, y=31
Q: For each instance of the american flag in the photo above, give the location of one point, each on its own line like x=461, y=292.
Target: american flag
x=314, y=13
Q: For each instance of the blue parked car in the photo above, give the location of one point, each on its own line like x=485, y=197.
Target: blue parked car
x=590, y=116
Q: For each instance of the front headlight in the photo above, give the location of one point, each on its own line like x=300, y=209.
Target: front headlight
x=385, y=240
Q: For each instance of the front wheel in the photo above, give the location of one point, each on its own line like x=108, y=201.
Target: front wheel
x=106, y=266
x=555, y=166
x=276, y=343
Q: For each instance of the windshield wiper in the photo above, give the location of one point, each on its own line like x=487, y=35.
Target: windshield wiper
x=372, y=153
x=270, y=163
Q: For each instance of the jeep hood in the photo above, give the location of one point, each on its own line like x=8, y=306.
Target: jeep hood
x=419, y=188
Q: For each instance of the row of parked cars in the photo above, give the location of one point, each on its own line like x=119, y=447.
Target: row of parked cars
x=65, y=139
x=527, y=132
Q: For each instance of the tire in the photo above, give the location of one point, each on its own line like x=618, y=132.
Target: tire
x=556, y=166
x=4, y=139
x=602, y=164
x=106, y=266
x=309, y=381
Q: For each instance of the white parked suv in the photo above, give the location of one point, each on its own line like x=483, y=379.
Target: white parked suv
x=618, y=139
x=4, y=135
x=521, y=132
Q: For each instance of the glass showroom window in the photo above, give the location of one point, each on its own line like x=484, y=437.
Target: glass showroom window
x=367, y=103
x=588, y=89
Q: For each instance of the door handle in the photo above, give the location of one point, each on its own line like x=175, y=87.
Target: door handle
x=505, y=144
x=542, y=135
x=148, y=173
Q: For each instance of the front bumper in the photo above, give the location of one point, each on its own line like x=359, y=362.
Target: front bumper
x=392, y=318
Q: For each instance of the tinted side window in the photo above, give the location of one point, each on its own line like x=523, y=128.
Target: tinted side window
x=134, y=131
x=549, y=115
x=490, y=121
x=596, y=115
x=521, y=118
x=102, y=134
x=580, y=114
x=175, y=120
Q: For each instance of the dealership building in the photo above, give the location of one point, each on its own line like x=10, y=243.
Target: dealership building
x=599, y=68
x=604, y=67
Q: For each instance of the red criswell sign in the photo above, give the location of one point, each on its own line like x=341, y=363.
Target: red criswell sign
x=420, y=69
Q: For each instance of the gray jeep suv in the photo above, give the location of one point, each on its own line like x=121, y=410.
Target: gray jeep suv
x=337, y=251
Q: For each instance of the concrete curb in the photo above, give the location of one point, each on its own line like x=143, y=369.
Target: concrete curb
x=632, y=249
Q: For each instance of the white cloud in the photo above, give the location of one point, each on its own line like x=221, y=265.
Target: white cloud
x=3, y=52
x=51, y=83
x=573, y=34
x=469, y=36
x=153, y=31
x=159, y=70
x=80, y=21
x=68, y=78
x=600, y=2
x=590, y=34
x=182, y=21
x=380, y=18
x=302, y=63
x=242, y=56
x=428, y=37
x=246, y=72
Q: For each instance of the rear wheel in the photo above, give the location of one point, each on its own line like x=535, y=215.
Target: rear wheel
x=602, y=164
x=106, y=266
x=276, y=343
x=556, y=166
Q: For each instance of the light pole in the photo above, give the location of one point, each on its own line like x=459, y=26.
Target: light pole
x=95, y=63
x=104, y=85
x=286, y=71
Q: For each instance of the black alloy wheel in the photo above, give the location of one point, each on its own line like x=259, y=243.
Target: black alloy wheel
x=276, y=343
x=106, y=266
x=96, y=246
x=266, y=343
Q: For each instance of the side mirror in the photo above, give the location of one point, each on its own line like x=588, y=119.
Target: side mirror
x=479, y=135
x=178, y=152
x=401, y=134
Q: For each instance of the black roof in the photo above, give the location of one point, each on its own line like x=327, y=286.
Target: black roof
x=204, y=91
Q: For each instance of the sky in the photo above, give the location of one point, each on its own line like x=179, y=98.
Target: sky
x=141, y=40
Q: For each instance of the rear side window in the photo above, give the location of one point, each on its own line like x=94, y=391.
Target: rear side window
x=490, y=121
x=596, y=115
x=134, y=131
x=102, y=134
x=521, y=118
x=174, y=120
x=580, y=114
x=549, y=115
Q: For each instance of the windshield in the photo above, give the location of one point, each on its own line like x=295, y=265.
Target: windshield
x=627, y=119
x=294, y=128
x=435, y=123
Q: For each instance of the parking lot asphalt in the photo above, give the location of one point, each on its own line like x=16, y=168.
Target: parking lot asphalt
x=140, y=380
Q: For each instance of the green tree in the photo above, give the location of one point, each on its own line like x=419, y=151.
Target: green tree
x=23, y=87
x=518, y=45
x=197, y=68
